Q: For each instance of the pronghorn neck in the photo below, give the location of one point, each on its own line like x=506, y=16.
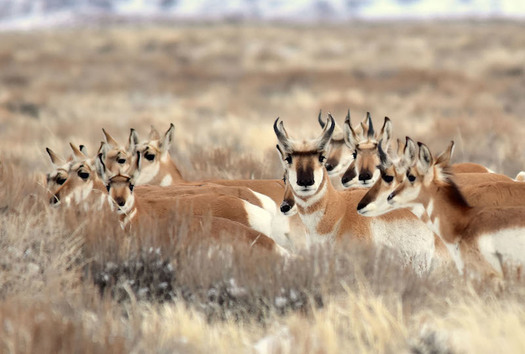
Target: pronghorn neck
x=444, y=210
x=314, y=209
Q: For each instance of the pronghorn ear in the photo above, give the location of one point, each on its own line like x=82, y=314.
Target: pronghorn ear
x=83, y=149
x=410, y=152
x=154, y=134
x=282, y=136
x=133, y=140
x=136, y=168
x=103, y=149
x=109, y=139
x=323, y=142
x=383, y=156
x=100, y=167
x=167, y=139
x=425, y=159
x=444, y=158
x=76, y=152
x=55, y=159
x=349, y=134
x=386, y=132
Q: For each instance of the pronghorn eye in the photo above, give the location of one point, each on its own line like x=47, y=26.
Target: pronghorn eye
x=121, y=161
x=131, y=186
x=322, y=158
x=83, y=175
x=411, y=178
x=289, y=159
x=60, y=180
x=149, y=157
x=387, y=178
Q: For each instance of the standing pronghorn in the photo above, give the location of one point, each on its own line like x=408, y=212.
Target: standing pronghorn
x=330, y=215
x=481, y=238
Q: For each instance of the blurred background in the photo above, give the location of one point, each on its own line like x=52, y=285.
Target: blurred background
x=222, y=71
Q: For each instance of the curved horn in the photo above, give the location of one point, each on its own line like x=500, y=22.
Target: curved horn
x=282, y=136
x=370, y=125
x=328, y=130
x=320, y=119
x=55, y=159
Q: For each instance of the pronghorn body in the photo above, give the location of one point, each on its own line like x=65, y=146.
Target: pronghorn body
x=331, y=215
x=137, y=206
x=480, y=238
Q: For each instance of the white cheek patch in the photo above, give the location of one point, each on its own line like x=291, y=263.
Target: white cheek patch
x=82, y=192
x=378, y=207
x=148, y=173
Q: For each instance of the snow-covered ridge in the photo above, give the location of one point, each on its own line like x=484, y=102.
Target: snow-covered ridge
x=28, y=14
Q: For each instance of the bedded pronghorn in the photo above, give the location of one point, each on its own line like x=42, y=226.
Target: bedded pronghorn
x=365, y=149
x=153, y=203
x=331, y=215
x=480, y=238
x=79, y=182
x=340, y=156
x=117, y=157
x=479, y=188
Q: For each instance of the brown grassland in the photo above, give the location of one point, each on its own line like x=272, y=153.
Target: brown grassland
x=72, y=281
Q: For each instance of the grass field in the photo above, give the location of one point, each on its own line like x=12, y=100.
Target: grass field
x=72, y=281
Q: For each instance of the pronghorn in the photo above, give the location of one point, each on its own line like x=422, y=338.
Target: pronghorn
x=115, y=156
x=155, y=204
x=60, y=173
x=158, y=168
x=481, y=238
x=340, y=156
x=78, y=182
x=479, y=188
x=365, y=151
x=331, y=215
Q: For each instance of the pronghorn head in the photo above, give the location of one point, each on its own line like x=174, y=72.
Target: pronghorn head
x=304, y=160
x=120, y=185
x=339, y=156
x=115, y=156
x=80, y=180
x=288, y=206
x=392, y=172
x=155, y=154
x=365, y=148
x=427, y=173
x=60, y=173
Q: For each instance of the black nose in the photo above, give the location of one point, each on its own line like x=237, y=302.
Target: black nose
x=365, y=176
x=361, y=205
x=391, y=196
x=345, y=179
x=120, y=202
x=285, y=207
x=306, y=182
x=329, y=167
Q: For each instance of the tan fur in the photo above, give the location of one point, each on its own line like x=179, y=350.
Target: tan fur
x=468, y=167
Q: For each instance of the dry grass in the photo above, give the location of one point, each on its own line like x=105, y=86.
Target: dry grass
x=72, y=281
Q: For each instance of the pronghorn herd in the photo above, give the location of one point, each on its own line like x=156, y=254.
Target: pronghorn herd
x=347, y=184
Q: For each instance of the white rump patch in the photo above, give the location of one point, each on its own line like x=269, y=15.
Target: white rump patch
x=147, y=174
x=258, y=218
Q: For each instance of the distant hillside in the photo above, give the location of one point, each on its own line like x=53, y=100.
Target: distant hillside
x=27, y=14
